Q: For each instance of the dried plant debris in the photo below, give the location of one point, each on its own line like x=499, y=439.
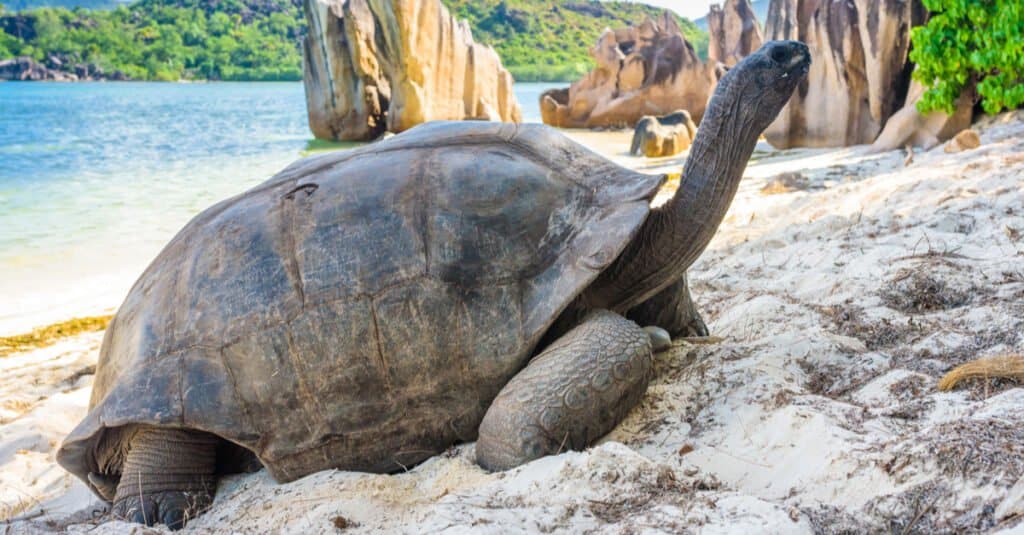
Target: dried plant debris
x=909, y=388
x=829, y=380
x=880, y=333
x=983, y=451
x=786, y=183
x=997, y=339
x=1010, y=367
x=832, y=520
x=49, y=335
x=647, y=489
x=918, y=291
x=929, y=508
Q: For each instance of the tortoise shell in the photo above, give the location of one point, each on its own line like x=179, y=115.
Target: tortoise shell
x=361, y=309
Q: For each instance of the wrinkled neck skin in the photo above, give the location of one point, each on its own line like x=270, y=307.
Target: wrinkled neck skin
x=676, y=233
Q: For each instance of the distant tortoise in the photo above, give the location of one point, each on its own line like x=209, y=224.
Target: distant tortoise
x=365, y=310
x=663, y=136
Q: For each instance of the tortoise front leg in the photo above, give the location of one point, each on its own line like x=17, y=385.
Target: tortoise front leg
x=574, y=392
x=168, y=477
x=671, y=309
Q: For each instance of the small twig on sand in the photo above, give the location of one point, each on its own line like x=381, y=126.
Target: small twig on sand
x=17, y=510
x=918, y=516
x=142, y=503
x=703, y=340
x=21, y=518
x=1004, y=367
x=562, y=445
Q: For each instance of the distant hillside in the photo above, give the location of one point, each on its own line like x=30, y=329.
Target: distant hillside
x=760, y=10
x=549, y=39
x=163, y=40
x=538, y=40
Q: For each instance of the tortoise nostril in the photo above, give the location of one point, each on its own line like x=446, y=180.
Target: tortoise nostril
x=779, y=54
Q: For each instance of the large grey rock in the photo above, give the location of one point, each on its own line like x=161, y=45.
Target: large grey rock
x=648, y=69
x=860, y=75
x=663, y=136
x=733, y=32
x=26, y=69
x=911, y=127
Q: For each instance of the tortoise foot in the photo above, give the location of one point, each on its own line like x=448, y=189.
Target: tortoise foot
x=170, y=508
x=168, y=477
x=573, y=393
x=671, y=309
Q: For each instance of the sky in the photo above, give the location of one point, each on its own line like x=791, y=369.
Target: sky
x=691, y=9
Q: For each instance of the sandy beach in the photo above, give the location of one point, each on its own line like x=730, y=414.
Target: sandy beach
x=843, y=285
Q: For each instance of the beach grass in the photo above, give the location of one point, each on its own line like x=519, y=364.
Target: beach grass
x=50, y=334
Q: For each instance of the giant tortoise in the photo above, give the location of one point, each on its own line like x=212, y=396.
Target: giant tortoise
x=365, y=310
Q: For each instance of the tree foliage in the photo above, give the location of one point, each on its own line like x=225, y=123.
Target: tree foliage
x=966, y=42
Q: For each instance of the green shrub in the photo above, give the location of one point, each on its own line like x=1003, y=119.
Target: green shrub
x=967, y=42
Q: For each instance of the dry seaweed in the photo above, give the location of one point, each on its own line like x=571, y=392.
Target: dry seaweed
x=915, y=292
x=851, y=321
x=1009, y=367
x=45, y=336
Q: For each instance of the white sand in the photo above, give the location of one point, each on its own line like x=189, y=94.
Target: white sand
x=841, y=304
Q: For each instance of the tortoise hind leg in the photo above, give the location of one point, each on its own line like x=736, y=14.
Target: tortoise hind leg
x=571, y=394
x=168, y=476
x=671, y=309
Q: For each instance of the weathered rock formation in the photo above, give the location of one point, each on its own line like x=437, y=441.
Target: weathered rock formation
x=649, y=69
x=26, y=69
x=859, y=76
x=910, y=127
x=965, y=140
x=663, y=136
x=733, y=32
x=372, y=66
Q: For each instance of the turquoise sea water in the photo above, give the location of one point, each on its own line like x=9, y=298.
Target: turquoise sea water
x=95, y=178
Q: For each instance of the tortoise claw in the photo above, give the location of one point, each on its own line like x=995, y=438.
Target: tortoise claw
x=660, y=339
x=105, y=485
x=172, y=509
x=696, y=327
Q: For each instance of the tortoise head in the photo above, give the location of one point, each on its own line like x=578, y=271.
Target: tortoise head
x=760, y=85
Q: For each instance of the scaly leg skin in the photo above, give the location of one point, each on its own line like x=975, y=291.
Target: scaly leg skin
x=168, y=477
x=574, y=392
x=671, y=309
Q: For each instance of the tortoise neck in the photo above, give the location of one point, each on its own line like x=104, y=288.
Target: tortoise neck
x=709, y=182
x=675, y=234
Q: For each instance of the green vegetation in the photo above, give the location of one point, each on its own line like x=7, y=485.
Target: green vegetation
x=548, y=40
x=159, y=40
x=538, y=40
x=966, y=42
x=50, y=334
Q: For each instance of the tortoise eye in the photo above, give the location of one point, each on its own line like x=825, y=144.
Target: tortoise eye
x=779, y=54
